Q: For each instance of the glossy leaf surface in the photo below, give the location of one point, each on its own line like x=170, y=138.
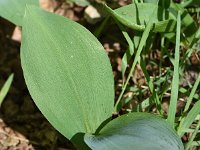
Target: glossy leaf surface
x=138, y=131
x=67, y=72
x=13, y=10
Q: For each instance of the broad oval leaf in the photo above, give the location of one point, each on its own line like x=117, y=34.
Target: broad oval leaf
x=13, y=10
x=67, y=72
x=136, y=16
x=138, y=131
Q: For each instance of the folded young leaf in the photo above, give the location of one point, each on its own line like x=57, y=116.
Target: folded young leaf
x=13, y=10
x=67, y=72
x=138, y=131
x=136, y=16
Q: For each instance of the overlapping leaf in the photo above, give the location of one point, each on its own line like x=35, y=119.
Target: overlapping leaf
x=67, y=72
x=13, y=10
x=136, y=16
x=138, y=131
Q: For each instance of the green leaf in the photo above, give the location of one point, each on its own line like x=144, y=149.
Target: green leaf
x=5, y=88
x=67, y=72
x=151, y=1
x=129, y=52
x=175, y=80
x=165, y=4
x=142, y=43
x=138, y=131
x=135, y=16
x=13, y=10
x=192, y=93
x=188, y=145
x=189, y=3
x=151, y=86
x=188, y=26
x=190, y=117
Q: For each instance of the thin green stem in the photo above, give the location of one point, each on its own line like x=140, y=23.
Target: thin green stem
x=137, y=57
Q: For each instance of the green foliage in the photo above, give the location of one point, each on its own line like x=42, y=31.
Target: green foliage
x=13, y=10
x=188, y=145
x=188, y=26
x=186, y=35
x=175, y=80
x=139, y=131
x=188, y=118
x=69, y=75
x=137, y=58
x=68, y=71
x=190, y=3
x=75, y=89
x=136, y=16
x=5, y=88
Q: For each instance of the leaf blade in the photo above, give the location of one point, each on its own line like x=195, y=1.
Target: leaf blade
x=135, y=16
x=67, y=72
x=5, y=88
x=189, y=119
x=132, y=131
x=175, y=80
x=13, y=10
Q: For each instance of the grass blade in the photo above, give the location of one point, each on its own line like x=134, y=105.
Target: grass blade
x=193, y=136
x=127, y=56
x=187, y=121
x=137, y=58
x=175, y=81
x=192, y=93
x=191, y=48
x=186, y=92
x=195, y=143
x=151, y=86
x=5, y=88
